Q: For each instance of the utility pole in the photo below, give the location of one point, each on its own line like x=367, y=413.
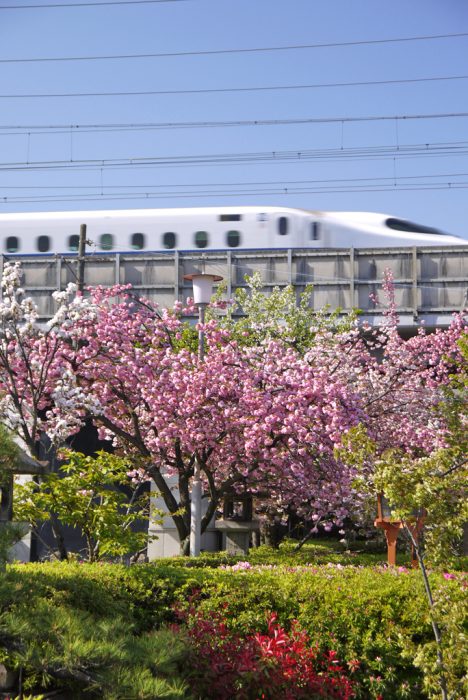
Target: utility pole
x=202, y=291
x=81, y=257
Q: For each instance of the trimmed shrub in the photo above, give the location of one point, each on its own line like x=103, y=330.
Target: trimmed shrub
x=374, y=615
x=273, y=666
x=378, y=616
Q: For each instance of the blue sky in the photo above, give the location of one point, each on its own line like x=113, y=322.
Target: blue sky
x=407, y=163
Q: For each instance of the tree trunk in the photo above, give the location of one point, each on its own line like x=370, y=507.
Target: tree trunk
x=308, y=536
x=181, y=522
x=59, y=536
x=185, y=546
x=271, y=532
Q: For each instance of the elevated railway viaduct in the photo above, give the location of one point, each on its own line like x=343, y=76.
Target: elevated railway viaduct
x=431, y=283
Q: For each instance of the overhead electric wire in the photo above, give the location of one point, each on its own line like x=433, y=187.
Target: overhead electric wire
x=357, y=153
x=283, y=183
x=85, y=4
x=449, y=148
x=245, y=192
x=9, y=130
x=258, y=88
x=217, y=52
x=229, y=194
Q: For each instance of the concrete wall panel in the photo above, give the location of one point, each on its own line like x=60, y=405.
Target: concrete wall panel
x=429, y=282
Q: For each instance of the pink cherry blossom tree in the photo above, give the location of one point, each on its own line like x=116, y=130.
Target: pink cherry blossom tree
x=255, y=418
x=31, y=363
x=261, y=417
x=400, y=382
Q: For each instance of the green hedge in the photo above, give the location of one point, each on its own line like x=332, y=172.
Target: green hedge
x=78, y=628
x=377, y=616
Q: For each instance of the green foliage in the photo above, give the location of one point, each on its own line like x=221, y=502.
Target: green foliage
x=59, y=645
x=88, y=496
x=373, y=614
x=433, y=486
x=280, y=315
x=9, y=451
x=10, y=533
x=437, y=483
x=315, y=552
x=451, y=612
x=84, y=629
x=187, y=339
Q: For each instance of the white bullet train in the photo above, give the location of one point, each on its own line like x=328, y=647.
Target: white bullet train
x=210, y=228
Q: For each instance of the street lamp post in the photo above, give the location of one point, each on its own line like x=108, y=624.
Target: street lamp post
x=202, y=292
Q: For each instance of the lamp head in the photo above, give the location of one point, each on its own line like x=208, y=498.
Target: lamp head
x=202, y=286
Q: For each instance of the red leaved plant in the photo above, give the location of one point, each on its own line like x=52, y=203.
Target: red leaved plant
x=277, y=665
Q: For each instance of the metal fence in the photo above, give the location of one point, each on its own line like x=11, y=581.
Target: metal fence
x=430, y=283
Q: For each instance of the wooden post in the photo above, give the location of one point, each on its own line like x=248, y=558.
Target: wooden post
x=81, y=257
x=391, y=527
x=391, y=535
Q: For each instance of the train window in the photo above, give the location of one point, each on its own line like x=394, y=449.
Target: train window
x=12, y=244
x=106, y=241
x=138, y=241
x=73, y=243
x=201, y=239
x=169, y=239
x=233, y=239
x=43, y=244
x=230, y=217
x=283, y=222
x=315, y=231
x=410, y=227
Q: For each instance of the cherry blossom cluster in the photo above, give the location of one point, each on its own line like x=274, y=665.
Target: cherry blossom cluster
x=259, y=418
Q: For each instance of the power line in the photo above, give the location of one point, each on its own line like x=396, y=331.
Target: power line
x=200, y=91
x=219, y=159
x=283, y=183
x=229, y=194
x=86, y=4
x=93, y=128
x=217, y=52
x=245, y=192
